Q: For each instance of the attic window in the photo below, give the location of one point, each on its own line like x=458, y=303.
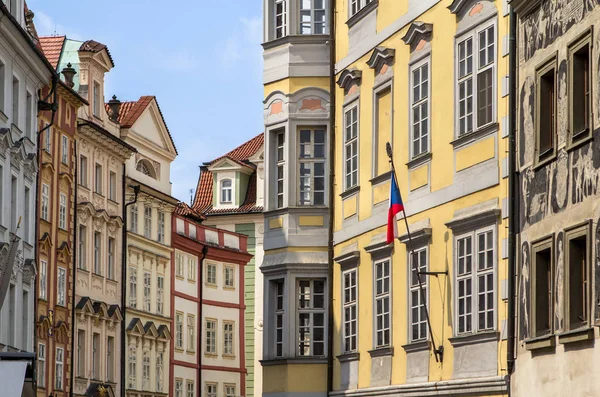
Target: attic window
x=226, y=191
x=146, y=168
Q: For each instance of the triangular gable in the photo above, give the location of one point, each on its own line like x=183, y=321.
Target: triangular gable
x=226, y=163
x=85, y=306
x=259, y=156
x=45, y=243
x=151, y=126
x=136, y=327
x=150, y=330
x=164, y=333
x=114, y=312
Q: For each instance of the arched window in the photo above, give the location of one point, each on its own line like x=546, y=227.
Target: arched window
x=146, y=168
x=226, y=191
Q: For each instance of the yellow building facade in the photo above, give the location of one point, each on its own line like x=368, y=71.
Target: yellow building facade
x=430, y=78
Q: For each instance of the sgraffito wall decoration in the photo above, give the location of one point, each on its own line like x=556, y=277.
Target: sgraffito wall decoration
x=596, y=262
x=524, y=300
x=559, y=285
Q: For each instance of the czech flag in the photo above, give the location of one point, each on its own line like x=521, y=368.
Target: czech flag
x=396, y=206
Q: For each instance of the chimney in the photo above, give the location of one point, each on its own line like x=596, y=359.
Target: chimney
x=114, y=105
x=69, y=73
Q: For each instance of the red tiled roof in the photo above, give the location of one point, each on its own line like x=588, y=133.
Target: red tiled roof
x=52, y=47
x=94, y=46
x=204, y=190
x=182, y=209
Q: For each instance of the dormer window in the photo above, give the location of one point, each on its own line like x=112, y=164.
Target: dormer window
x=97, y=99
x=146, y=168
x=226, y=191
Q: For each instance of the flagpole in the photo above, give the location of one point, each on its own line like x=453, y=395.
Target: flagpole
x=436, y=351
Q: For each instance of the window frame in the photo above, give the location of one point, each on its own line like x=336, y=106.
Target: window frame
x=47, y=137
x=311, y=311
x=425, y=61
x=547, y=66
x=576, y=232
x=312, y=161
x=59, y=379
x=280, y=312
x=226, y=192
x=145, y=370
x=64, y=151
x=190, y=391
x=96, y=355
x=41, y=365
x=97, y=98
x=351, y=339
x=378, y=92
x=43, y=279
x=192, y=268
x=211, y=337
x=178, y=387
x=381, y=296
x=280, y=165
x=82, y=247
x=313, y=23
x=97, y=253
x=284, y=16
x=476, y=69
x=355, y=140
x=415, y=288
x=160, y=291
x=132, y=365
x=134, y=214
x=112, y=186
x=110, y=273
x=61, y=286
x=539, y=246
x=147, y=291
x=228, y=351
x=584, y=39
x=98, y=178
x=191, y=333
x=178, y=330
x=226, y=390
x=231, y=270
x=179, y=258
x=147, y=221
x=211, y=385
x=473, y=234
x=132, y=287
x=62, y=211
x=83, y=171
x=161, y=227
x=45, y=202
x=207, y=279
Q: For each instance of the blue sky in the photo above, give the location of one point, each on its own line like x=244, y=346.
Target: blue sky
x=202, y=60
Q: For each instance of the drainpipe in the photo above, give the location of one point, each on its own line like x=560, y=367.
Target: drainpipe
x=513, y=201
x=332, y=163
x=204, y=253
x=136, y=191
x=53, y=107
x=75, y=246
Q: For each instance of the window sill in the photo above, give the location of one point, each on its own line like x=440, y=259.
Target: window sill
x=474, y=338
x=210, y=285
x=417, y=346
x=419, y=160
x=179, y=349
x=191, y=281
x=229, y=288
x=190, y=352
x=228, y=356
x=347, y=357
x=113, y=200
x=349, y=192
x=84, y=187
x=381, y=178
x=295, y=360
x=111, y=280
x=296, y=39
x=180, y=278
x=83, y=269
x=382, y=351
x=475, y=135
x=540, y=342
x=577, y=335
x=99, y=194
x=354, y=19
x=542, y=163
x=579, y=141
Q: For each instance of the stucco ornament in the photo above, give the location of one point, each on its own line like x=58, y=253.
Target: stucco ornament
x=558, y=299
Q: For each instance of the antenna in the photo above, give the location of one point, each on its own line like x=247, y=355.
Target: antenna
x=191, y=197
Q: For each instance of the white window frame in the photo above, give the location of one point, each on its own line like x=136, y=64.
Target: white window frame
x=41, y=365
x=160, y=362
x=280, y=156
x=179, y=265
x=110, y=358
x=226, y=192
x=98, y=178
x=147, y=290
x=110, y=273
x=43, y=279
x=82, y=246
x=413, y=288
x=65, y=149
x=133, y=287
x=133, y=224
x=284, y=22
x=96, y=356
x=132, y=365
x=147, y=221
x=29, y=114
x=62, y=212
x=473, y=34
x=97, y=253
x=312, y=161
x=352, y=143
x=179, y=330
x=161, y=227
x=350, y=310
x=355, y=6
x=81, y=353
x=45, y=212
x=59, y=368
x=473, y=277
x=190, y=389
x=112, y=186
x=312, y=24
x=145, y=370
x=311, y=310
x=229, y=390
x=229, y=276
x=83, y=171
x=178, y=387
x=211, y=269
x=160, y=291
x=192, y=266
x=48, y=139
x=228, y=338
x=191, y=333
x=61, y=286
x=212, y=389
x=381, y=297
x=418, y=105
x=210, y=346
x=280, y=317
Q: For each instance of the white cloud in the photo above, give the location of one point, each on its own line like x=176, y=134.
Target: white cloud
x=243, y=44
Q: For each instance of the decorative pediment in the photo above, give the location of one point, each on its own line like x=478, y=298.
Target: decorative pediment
x=349, y=78
x=66, y=176
x=61, y=332
x=381, y=56
x=45, y=243
x=225, y=164
x=457, y=5
x=84, y=306
x=48, y=166
x=29, y=271
x=150, y=330
x=416, y=32
x=460, y=7
x=6, y=141
x=164, y=333
x=64, y=252
x=136, y=327
x=101, y=309
x=524, y=7
x=44, y=327
x=18, y=154
x=114, y=312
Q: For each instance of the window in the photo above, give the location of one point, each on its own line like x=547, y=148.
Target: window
x=13, y=203
x=65, y=150
x=61, y=286
x=112, y=186
x=189, y=385
x=98, y=176
x=312, y=167
x=48, y=139
x=2, y=83
x=41, y=365
x=279, y=313
x=476, y=74
x=133, y=287
x=111, y=259
x=133, y=224
x=580, y=85
x=159, y=371
x=311, y=317
x=26, y=204
x=227, y=339
x=146, y=168
x=147, y=291
x=45, y=201
x=191, y=333
x=81, y=353
x=211, y=336
x=350, y=310
x=132, y=364
x=110, y=358
x=313, y=18
x=179, y=267
x=230, y=391
x=179, y=330
x=58, y=373
x=351, y=148
x=146, y=370
x=229, y=276
x=542, y=285
x=147, y=221
x=546, y=111
x=192, y=229
x=83, y=171
x=82, y=246
x=382, y=303
x=420, y=108
x=417, y=305
x=161, y=227
x=577, y=276
x=357, y=5
x=191, y=268
x=180, y=226
x=160, y=288
x=475, y=273
x=62, y=213
x=211, y=274
x=280, y=168
x=43, y=279
x=280, y=18
x=226, y=190
x=97, y=248
x=29, y=115
x=383, y=130
x=15, y=93
x=96, y=356
x=178, y=388
x=97, y=99
x=211, y=390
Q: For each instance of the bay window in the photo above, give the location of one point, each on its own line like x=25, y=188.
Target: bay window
x=313, y=17
x=311, y=317
x=312, y=166
x=280, y=18
x=280, y=168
